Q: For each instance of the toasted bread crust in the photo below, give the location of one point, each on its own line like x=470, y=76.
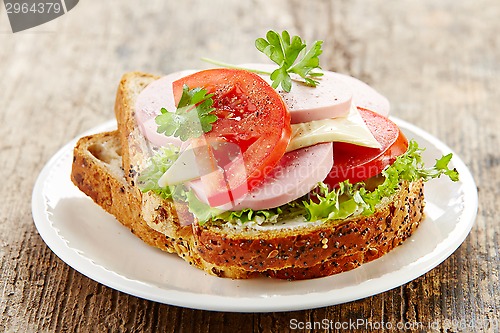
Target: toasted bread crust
x=159, y=214
x=309, y=246
x=135, y=148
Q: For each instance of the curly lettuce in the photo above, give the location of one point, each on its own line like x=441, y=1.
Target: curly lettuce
x=158, y=164
x=343, y=201
x=324, y=204
x=349, y=199
x=204, y=213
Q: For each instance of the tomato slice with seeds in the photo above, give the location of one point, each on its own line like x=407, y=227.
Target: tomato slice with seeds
x=251, y=117
x=357, y=163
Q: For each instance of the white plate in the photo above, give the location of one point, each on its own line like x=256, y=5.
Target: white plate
x=94, y=243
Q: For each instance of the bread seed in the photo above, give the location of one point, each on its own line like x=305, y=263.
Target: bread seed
x=301, y=243
x=272, y=254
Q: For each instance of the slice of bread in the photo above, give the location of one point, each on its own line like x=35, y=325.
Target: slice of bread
x=106, y=166
x=97, y=171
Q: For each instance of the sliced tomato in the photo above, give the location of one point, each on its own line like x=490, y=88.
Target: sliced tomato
x=251, y=117
x=358, y=163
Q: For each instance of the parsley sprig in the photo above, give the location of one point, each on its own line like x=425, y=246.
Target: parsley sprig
x=285, y=51
x=193, y=117
x=292, y=57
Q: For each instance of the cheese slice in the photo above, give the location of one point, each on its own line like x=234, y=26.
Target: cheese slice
x=183, y=169
x=349, y=129
x=192, y=163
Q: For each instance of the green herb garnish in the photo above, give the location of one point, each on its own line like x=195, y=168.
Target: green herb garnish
x=284, y=51
x=193, y=117
x=292, y=57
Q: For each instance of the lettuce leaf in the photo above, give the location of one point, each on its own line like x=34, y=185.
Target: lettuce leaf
x=348, y=198
x=204, y=212
x=345, y=200
x=158, y=164
x=201, y=210
x=323, y=204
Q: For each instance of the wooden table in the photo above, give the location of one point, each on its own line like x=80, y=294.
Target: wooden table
x=437, y=62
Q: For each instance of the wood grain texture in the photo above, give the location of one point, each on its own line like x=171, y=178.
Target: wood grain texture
x=438, y=63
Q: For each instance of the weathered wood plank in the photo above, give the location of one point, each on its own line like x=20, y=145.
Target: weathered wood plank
x=436, y=61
